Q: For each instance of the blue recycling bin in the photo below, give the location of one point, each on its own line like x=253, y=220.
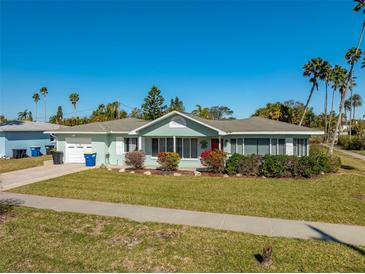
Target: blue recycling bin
x=35, y=151
x=90, y=159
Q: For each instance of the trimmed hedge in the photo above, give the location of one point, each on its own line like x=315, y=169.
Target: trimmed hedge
x=278, y=166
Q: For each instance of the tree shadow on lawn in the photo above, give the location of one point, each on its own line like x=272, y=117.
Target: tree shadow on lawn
x=327, y=237
x=6, y=206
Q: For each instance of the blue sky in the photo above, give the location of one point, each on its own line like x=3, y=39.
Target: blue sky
x=242, y=54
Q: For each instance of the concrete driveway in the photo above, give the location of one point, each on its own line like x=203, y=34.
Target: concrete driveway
x=35, y=174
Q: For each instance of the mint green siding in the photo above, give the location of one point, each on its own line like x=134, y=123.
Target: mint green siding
x=105, y=145
x=192, y=129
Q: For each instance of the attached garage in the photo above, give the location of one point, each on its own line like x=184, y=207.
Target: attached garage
x=75, y=149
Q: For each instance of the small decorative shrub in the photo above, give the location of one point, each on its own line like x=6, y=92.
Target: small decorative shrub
x=213, y=159
x=135, y=159
x=232, y=163
x=250, y=165
x=168, y=161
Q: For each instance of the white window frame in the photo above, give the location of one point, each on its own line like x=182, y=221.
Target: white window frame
x=158, y=145
x=125, y=145
x=175, y=146
x=277, y=145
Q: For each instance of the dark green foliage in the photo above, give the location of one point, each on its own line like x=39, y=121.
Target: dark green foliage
x=153, y=106
x=232, y=163
x=356, y=143
x=277, y=166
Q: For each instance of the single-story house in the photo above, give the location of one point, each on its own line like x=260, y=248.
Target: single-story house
x=23, y=135
x=183, y=133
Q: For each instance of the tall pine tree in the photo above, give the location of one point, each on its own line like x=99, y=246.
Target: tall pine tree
x=153, y=106
x=176, y=104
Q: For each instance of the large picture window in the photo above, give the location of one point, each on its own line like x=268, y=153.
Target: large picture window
x=162, y=145
x=130, y=144
x=258, y=146
x=277, y=146
x=300, y=146
x=237, y=146
x=187, y=148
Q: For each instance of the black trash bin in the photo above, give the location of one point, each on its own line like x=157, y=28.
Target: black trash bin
x=57, y=157
x=19, y=153
x=49, y=149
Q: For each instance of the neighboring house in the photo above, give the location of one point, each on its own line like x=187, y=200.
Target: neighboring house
x=23, y=135
x=183, y=133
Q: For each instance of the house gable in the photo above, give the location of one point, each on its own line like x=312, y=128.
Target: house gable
x=177, y=125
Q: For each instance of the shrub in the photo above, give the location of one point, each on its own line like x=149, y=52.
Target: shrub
x=322, y=161
x=168, y=161
x=232, y=163
x=356, y=143
x=274, y=166
x=135, y=159
x=213, y=159
x=250, y=165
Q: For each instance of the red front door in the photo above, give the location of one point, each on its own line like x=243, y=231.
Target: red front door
x=215, y=143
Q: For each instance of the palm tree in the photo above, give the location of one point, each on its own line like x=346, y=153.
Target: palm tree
x=25, y=115
x=356, y=102
x=360, y=6
x=327, y=74
x=74, y=98
x=44, y=92
x=202, y=112
x=314, y=70
x=36, y=98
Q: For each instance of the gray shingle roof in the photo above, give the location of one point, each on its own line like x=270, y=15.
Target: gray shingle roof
x=122, y=125
x=252, y=124
x=27, y=126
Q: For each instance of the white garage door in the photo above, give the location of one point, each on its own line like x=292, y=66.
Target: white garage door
x=75, y=149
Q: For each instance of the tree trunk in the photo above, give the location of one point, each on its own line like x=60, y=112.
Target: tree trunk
x=339, y=119
x=45, y=112
x=325, y=109
x=351, y=105
x=330, y=119
x=36, y=111
x=345, y=92
x=307, y=103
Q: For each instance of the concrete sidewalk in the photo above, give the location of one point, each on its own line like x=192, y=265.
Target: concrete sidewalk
x=35, y=174
x=350, y=153
x=347, y=234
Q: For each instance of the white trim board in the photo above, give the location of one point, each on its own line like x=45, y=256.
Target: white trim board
x=220, y=132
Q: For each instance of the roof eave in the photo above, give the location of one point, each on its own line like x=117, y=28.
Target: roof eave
x=135, y=131
x=278, y=132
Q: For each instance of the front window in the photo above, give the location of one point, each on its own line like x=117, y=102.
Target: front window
x=130, y=144
x=300, y=147
x=277, y=146
x=162, y=145
x=187, y=148
x=258, y=146
x=237, y=146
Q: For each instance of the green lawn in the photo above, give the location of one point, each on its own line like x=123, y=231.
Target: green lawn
x=16, y=164
x=34, y=240
x=336, y=198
